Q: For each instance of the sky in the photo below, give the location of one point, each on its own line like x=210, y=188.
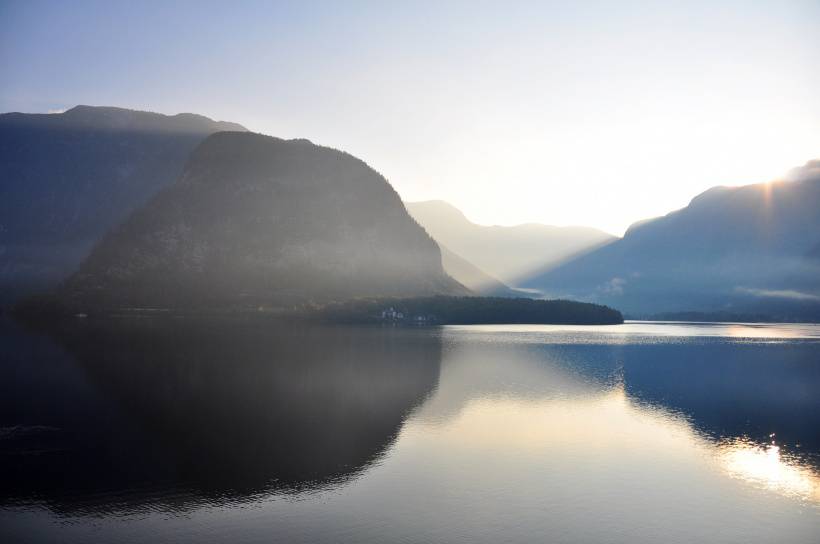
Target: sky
x=564, y=113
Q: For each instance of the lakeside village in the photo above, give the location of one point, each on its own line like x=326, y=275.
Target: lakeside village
x=391, y=315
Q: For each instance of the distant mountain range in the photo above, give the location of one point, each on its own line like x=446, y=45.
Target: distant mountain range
x=139, y=209
x=255, y=220
x=66, y=179
x=740, y=250
x=506, y=253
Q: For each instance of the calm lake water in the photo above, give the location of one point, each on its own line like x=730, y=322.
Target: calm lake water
x=248, y=431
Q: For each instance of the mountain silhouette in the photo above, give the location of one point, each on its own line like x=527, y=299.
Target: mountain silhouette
x=738, y=249
x=66, y=179
x=255, y=221
x=506, y=253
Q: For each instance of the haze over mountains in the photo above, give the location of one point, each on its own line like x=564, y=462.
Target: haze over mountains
x=185, y=211
x=750, y=249
x=255, y=220
x=66, y=179
x=506, y=253
x=472, y=277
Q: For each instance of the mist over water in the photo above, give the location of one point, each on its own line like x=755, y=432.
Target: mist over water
x=202, y=430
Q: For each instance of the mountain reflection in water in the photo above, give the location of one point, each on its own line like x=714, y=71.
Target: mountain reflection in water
x=752, y=401
x=216, y=410
x=169, y=430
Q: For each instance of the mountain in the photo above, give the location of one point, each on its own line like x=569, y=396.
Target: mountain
x=472, y=277
x=67, y=178
x=507, y=253
x=749, y=249
x=258, y=221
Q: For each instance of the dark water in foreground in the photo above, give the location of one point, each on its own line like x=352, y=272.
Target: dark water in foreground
x=219, y=431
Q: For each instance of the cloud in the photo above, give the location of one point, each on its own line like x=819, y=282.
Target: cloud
x=58, y=110
x=778, y=293
x=615, y=286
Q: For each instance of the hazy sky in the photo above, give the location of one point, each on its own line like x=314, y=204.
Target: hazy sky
x=589, y=113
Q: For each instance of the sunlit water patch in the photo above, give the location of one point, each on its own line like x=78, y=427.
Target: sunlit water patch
x=645, y=332
x=768, y=466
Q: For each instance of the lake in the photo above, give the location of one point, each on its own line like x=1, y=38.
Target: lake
x=180, y=430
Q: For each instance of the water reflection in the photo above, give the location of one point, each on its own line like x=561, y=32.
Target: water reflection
x=751, y=407
x=475, y=434
x=213, y=411
x=641, y=331
x=769, y=467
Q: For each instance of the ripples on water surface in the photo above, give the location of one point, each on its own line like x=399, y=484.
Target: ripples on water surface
x=214, y=431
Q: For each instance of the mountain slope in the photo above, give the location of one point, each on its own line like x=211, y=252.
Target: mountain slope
x=472, y=277
x=508, y=253
x=65, y=179
x=256, y=220
x=736, y=249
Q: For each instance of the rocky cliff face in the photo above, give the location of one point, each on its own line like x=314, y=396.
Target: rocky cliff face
x=255, y=221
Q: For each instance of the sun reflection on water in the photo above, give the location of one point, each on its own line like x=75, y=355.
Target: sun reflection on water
x=765, y=465
x=590, y=429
